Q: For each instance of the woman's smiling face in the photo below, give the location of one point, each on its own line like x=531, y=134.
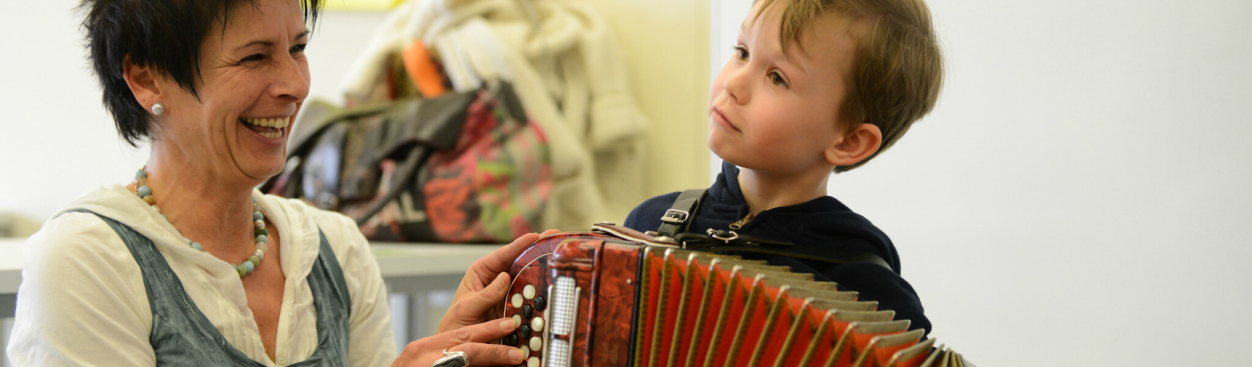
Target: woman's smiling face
x=253, y=79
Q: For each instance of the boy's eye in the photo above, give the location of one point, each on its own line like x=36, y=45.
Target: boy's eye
x=777, y=79
x=741, y=53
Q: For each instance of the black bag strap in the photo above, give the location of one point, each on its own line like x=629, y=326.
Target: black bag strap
x=676, y=221
x=405, y=173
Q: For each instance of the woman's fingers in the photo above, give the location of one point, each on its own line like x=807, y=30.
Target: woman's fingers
x=485, y=269
x=486, y=284
x=471, y=340
x=494, y=294
x=500, y=260
x=479, y=354
x=472, y=307
x=482, y=302
x=479, y=333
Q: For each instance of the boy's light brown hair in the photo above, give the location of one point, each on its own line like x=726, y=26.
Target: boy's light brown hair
x=897, y=70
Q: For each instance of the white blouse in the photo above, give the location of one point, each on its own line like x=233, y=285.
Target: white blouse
x=82, y=299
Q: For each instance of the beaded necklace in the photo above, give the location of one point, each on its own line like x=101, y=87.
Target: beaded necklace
x=262, y=239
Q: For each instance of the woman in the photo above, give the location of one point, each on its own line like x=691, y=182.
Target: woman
x=188, y=264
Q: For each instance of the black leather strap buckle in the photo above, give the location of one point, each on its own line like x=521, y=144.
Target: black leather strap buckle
x=675, y=216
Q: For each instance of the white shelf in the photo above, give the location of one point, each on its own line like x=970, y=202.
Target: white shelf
x=394, y=259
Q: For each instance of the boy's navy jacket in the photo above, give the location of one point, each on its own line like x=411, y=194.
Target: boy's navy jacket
x=822, y=222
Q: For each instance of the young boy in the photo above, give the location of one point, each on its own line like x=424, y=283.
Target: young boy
x=815, y=86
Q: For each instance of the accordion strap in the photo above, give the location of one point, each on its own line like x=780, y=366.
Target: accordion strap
x=676, y=221
x=679, y=216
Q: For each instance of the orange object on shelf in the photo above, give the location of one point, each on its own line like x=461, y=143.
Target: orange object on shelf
x=423, y=71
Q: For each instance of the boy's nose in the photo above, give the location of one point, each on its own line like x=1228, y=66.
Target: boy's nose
x=732, y=90
x=735, y=85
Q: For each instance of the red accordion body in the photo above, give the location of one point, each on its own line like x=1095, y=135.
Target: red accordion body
x=616, y=297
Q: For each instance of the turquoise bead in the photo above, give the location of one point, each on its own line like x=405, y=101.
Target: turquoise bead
x=197, y=246
x=144, y=191
x=262, y=239
x=140, y=174
x=261, y=231
x=257, y=216
x=249, y=266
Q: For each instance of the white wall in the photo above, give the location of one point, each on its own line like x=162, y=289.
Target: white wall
x=1081, y=194
x=55, y=138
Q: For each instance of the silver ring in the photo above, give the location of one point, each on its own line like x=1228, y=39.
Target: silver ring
x=451, y=359
x=717, y=234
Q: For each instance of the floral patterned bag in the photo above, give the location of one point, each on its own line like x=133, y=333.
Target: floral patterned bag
x=461, y=168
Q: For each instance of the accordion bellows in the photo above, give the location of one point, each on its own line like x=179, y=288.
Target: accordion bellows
x=617, y=297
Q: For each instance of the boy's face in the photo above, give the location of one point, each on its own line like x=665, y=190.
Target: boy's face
x=774, y=113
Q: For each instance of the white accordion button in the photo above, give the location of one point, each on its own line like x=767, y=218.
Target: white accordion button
x=525, y=350
x=517, y=319
x=529, y=291
x=517, y=300
x=532, y=362
x=536, y=344
x=536, y=324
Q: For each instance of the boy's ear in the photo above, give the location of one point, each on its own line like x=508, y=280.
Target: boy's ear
x=856, y=145
x=143, y=83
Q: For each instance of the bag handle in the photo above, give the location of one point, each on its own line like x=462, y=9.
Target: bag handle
x=406, y=172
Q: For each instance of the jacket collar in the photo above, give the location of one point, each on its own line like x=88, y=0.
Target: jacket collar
x=822, y=221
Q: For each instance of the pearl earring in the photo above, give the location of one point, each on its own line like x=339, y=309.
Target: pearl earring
x=158, y=109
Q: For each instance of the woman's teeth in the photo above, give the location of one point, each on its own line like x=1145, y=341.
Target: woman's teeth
x=269, y=128
x=275, y=123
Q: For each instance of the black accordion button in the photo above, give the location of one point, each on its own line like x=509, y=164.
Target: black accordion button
x=540, y=303
x=524, y=332
x=527, y=312
x=510, y=340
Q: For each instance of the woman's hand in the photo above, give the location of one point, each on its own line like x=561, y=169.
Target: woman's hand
x=485, y=285
x=470, y=340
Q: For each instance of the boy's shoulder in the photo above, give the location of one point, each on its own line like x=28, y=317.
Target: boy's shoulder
x=647, y=216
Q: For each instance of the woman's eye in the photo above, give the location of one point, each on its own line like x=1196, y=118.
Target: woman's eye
x=253, y=57
x=741, y=53
x=777, y=79
x=299, y=48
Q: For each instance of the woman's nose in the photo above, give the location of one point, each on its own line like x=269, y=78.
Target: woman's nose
x=292, y=83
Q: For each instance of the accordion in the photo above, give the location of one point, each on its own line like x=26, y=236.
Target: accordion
x=617, y=297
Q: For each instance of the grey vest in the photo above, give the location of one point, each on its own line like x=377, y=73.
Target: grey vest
x=183, y=336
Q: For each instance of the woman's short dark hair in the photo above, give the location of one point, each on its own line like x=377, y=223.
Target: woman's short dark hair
x=163, y=34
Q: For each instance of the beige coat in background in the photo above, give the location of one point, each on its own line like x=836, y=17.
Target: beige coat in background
x=564, y=62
